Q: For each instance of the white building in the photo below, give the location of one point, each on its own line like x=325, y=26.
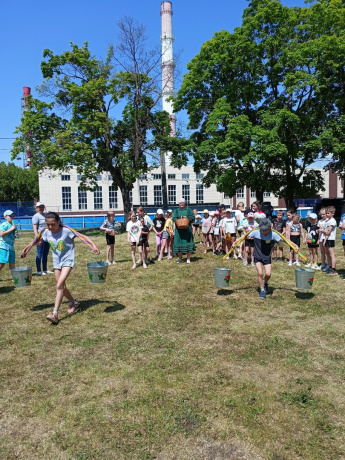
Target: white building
x=61, y=192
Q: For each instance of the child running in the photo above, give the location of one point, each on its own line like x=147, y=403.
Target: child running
x=312, y=241
x=7, y=237
x=264, y=240
x=294, y=231
x=61, y=241
x=109, y=227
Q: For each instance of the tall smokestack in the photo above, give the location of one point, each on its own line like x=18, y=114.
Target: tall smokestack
x=168, y=64
x=27, y=155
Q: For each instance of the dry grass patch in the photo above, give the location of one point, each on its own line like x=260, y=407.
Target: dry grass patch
x=161, y=364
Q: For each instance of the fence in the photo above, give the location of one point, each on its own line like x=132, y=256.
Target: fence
x=20, y=208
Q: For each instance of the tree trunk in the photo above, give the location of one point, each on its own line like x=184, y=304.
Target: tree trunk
x=259, y=195
x=289, y=202
x=126, y=201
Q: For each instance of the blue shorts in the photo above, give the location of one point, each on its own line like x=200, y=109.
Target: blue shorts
x=7, y=257
x=263, y=261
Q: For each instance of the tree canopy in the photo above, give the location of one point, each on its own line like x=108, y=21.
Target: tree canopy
x=103, y=116
x=267, y=101
x=18, y=184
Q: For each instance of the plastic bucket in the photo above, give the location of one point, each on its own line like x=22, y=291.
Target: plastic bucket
x=221, y=277
x=304, y=278
x=97, y=272
x=22, y=276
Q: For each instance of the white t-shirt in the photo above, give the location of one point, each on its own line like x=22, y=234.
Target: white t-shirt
x=322, y=225
x=215, y=224
x=229, y=224
x=133, y=228
x=331, y=223
x=249, y=225
x=62, y=246
x=239, y=216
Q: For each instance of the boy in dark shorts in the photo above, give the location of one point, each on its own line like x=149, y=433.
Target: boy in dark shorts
x=264, y=240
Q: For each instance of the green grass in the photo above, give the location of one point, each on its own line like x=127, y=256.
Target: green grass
x=161, y=364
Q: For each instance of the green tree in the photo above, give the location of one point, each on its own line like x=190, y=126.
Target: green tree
x=18, y=184
x=104, y=114
x=261, y=101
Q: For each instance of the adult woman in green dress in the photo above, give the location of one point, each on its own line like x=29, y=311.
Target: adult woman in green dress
x=183, y=240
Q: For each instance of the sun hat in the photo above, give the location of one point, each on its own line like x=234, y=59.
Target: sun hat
x=39, y=203
x=313, y=215
x=160, y=211
x=265, y=224
x=8, y=213
x=205, y=211
x=216, y=212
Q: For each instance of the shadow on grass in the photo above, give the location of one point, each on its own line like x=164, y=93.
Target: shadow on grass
x=304, y=295
x=116, y=307
x=224, y=292
x=44, y=306
x=6, y=289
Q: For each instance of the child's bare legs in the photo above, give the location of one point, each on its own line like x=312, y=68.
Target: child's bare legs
x=331, y=260
x=61, y=289
x=261, y=278
x=211, y=241
x=133, y=249
x=280, y=252
x=274, y=253
x=198, y=233
x=205, y=236
x=323, y=253
x=231, y=243
x=110, y=251
x=315, y=255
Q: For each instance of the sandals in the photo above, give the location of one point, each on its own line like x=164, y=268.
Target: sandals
x=73, y=307
x=53, y=318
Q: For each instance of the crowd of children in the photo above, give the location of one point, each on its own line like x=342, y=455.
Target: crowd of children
x=259, y=238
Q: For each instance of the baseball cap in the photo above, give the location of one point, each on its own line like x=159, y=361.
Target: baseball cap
x=250, y=214
x=312, y=215
x=160, y=211
x=265, y=224
x=8, y=213
x=228, y=210
x=169, y=210
x=212, y=213
x=205, y=211
x=216, y=212
x=39, y=203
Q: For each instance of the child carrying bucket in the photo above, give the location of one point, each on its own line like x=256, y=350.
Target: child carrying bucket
x=264, y=240
x=7, y=236
x=61, y=240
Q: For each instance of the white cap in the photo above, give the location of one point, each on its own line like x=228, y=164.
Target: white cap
x=228, y=210
x=39, y=203
x=160, y=211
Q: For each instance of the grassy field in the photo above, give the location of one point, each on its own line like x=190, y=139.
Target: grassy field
x=161, y=364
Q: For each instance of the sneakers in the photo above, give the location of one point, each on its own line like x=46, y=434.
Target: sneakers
x=253, y=264
x=188, y=261
x=297, y=264
x=262, y=295
x=138, y=262
x=280, y=259
x=308, y=265
x=39, y=273
x=325, y=268
x=53, y=317
x=290, y=264
x=331, y=271
x=315, y=267
x=134, y=267
x=144, y=265
x=245, y=263
x=107, y=262
x=266, y=287
x=47, y=272
x=113, y=262
x=180, y=261
x=274, y=259
x=152, y=261
x=240, y=256
x=205, y=252
x=227, y=257
x=73, y=307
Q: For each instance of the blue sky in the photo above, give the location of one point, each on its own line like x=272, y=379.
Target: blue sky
x=30, y=27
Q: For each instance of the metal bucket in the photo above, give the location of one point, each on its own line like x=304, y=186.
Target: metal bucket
x=221, y=277
x=97, y=272
x=22, y=276
x=304, y=278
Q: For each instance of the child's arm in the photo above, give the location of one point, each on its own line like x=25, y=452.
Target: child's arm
x=102, y=227
x=303, y=234
x=6, y=232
